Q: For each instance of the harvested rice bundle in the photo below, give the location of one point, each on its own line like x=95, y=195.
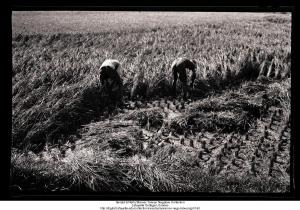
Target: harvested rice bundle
x=124, y=138
x=225, y=121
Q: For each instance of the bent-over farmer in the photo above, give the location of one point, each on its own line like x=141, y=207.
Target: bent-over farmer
x=110, y=79
x=179, y=70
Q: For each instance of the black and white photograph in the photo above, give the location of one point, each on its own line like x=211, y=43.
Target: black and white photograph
x=151, y=102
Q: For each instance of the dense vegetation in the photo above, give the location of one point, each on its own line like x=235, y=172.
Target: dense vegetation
x=60, y=114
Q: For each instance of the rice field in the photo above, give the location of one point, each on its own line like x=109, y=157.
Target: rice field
x=231, y=135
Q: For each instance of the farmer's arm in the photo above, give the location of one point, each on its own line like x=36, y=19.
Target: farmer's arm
x=175, y=77
x=193, y=77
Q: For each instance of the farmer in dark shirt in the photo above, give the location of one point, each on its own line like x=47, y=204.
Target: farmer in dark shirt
x=110, y=79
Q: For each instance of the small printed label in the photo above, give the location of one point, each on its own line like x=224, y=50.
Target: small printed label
x=159, y=205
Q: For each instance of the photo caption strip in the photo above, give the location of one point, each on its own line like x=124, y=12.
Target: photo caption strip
x=158, y=205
